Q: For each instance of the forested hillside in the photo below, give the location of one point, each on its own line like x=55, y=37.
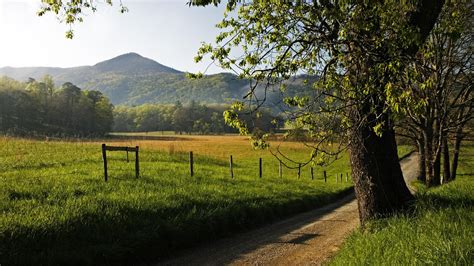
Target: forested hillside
x=131, y=79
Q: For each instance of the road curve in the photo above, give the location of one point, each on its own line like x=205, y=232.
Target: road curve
x=310, y=238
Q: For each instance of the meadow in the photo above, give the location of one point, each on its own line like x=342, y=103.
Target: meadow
x=56, y=209
x=438, y=230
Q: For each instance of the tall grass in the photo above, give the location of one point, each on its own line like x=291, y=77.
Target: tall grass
x=56, y=209
x=438, y=231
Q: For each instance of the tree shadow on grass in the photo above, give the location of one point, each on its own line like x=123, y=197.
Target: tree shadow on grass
x=435, y=201
x=116, y=232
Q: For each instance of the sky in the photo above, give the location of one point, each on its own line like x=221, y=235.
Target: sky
x=167, y=31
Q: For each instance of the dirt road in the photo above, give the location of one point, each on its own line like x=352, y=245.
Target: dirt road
x=410, y=170
x=309, y=238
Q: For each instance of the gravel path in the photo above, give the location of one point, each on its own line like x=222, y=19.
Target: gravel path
x=309, y=238
x=410, y=170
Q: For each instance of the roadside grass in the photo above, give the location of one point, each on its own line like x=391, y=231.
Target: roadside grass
x=439, y=230
x=404, y=150
x=56, y=209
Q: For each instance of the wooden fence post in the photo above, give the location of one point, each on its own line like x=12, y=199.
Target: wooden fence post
x=231, y=165
x=127, y=155
x=325, y=177
x=104, y=157
x=260, y=167
x=280, y=169
x=312, y=174
x=341, y=177
x=191, y=164
x=137, y=163
x=299, y=170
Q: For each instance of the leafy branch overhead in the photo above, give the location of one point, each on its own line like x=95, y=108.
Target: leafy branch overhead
x=283, y=39
x=73, y=11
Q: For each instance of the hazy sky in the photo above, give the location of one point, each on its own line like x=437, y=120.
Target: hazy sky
x=167, y=31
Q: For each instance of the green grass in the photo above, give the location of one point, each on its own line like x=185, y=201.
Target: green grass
x=439, y=230
x=56, y=209
x=404, y=150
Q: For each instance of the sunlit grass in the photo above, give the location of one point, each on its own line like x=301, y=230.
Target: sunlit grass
x=56, y=208
x=438, y=231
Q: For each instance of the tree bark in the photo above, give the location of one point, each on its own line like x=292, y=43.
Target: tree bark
x=429, y=160
x=457, y=146
x=379, y=184
x=421, y=161
x=432, y=158
x=446, y=170
x=436, y=181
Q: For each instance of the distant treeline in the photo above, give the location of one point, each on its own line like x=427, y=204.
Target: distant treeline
x=190, y=118
x=39, y=107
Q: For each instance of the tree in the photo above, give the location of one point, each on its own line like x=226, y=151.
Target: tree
x=181, y=120
x=103, y=113
x=358, y=52
x=148, y=118
x=440, y=85
x=357, y=48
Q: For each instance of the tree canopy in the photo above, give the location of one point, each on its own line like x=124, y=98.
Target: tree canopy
x=359, y=50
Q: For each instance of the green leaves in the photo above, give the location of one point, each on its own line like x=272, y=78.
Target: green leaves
x=297, y=101
x=71, y=12
x=194, y=75
x=231, y=118
x=333, y=41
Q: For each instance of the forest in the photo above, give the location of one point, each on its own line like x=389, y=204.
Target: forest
x=36, y=108
x=39, y=107
x=188, y=118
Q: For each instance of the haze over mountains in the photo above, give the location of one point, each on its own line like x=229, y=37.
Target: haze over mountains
x=132, y=79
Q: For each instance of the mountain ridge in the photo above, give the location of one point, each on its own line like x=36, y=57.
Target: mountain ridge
x=133, y=63
x=132, y=79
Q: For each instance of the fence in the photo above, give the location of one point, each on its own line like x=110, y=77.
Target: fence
x=135, y=149
x=105, y=148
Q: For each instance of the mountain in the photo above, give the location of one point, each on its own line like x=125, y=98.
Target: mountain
x=132, y=79
x=133, y=63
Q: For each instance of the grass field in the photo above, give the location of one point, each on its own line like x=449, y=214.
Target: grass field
x=56, y=209
x=438, y=231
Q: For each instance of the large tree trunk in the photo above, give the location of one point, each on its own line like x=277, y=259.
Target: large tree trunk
x=457, y=146
x=446, y=170
x=379, y=184
x=421, y=161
